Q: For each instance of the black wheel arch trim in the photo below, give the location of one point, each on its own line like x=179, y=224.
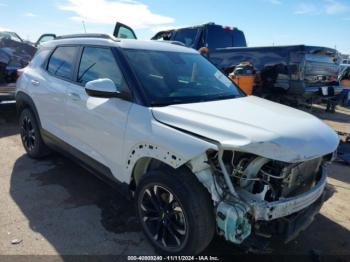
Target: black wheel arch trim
x=23, y=100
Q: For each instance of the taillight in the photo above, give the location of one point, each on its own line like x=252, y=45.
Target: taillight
x=227, y=27
x=20, y=72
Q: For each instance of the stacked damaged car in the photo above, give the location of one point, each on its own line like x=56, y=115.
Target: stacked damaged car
x=15, y=54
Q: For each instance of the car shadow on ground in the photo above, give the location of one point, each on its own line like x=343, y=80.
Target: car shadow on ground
x=8, y=119
x=324, y=237
x=55, y=187
x=62, y=200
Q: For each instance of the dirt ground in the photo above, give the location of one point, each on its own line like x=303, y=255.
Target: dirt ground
x=53, y=206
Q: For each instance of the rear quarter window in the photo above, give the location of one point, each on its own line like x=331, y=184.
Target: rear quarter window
x=39, y=58
x=61, y=62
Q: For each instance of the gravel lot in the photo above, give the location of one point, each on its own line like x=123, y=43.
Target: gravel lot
x=54, y=206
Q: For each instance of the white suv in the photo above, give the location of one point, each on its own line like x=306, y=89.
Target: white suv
x=198, y=155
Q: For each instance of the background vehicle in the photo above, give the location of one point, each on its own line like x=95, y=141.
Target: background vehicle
x=344, y=78
x=160, y=119
x=15, y=53
x=283, y=73
x=344, y=64
x=286, y=73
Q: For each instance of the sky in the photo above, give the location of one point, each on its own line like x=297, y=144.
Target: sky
x=264, y=22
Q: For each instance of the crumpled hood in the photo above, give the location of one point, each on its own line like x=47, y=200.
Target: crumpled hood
x=254, y=125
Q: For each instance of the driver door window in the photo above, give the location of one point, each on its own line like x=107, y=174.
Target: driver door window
x=98, y=63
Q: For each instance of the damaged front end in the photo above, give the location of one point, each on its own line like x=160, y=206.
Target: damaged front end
x=257, y=196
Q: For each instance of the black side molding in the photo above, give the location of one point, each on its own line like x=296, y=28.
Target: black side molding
x=98, y=169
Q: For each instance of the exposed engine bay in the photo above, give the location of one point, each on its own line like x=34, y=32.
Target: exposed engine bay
x=266, y=179
x=255, y=195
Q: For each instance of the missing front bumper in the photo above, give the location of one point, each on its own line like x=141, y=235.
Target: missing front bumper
x=268, y=211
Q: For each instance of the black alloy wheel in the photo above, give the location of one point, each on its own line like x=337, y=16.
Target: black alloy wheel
x=175, y=211
x=28, y=134
x=163, y=217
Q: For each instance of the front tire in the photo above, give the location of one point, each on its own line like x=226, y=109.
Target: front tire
x=30, y=135
x=175, y=211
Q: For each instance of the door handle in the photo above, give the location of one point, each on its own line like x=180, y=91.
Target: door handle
x=35, y=82
x=74, y=96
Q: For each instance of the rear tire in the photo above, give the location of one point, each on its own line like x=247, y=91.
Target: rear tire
x=175, y=211
x=30, y=135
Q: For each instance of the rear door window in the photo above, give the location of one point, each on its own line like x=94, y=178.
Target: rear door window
x=61, y=63
x=186, y=36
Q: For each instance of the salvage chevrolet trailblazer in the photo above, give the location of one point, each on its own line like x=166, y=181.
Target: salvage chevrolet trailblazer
x=199, y=156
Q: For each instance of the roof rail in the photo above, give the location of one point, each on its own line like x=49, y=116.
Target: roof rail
x=104, y=36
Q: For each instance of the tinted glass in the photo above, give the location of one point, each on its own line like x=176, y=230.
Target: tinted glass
x=239, y=39
x=46, y=38
x=173, y=77
x=99, y=63
x=62, y=61
x=125, y=33
x=219, y=37
x=186, y=36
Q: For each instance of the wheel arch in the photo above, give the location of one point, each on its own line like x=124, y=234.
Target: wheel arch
x=25, y=101
x=143, y=157
x=142, y=165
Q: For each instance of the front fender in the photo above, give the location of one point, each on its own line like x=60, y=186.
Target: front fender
x=145, y=137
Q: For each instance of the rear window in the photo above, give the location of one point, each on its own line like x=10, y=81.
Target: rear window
x=61, y=62
x=219, y=37
x=186, y=36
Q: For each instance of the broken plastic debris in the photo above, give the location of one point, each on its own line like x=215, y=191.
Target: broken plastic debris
x=16, y=241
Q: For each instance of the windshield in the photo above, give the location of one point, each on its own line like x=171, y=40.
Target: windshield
x=11, y=36
x=173, y=77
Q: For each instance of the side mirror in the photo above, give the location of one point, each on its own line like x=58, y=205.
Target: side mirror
x=103, y=87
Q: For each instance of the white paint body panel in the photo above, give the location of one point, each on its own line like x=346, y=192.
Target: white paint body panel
x=254, y=125
x=143, y=129
x=49, y=96
x=96, y=126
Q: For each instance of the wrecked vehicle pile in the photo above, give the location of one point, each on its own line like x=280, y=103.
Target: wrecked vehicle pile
x=14, y=54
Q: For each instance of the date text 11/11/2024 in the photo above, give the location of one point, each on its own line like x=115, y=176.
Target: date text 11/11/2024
x=173, y=258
